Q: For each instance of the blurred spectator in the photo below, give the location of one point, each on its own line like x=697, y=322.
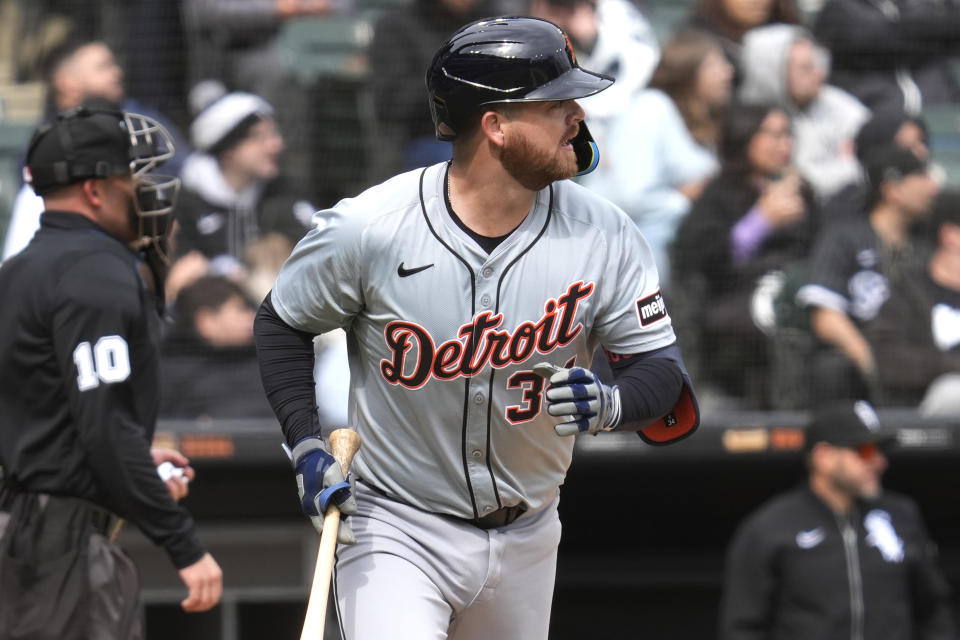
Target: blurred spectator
x=893, y=52
x=32, y=29
x=782, y=65
x=661, y=148
x=755, y=218
x=237, y=42
x=405, y=37
x=729, y=20
x=182, y=273
x=892, y=126
x=80, y=70
x=611, y=37
x=838, y=557
x=233, y=193
x=76, y=72
x=915, y=337
x=208, y=361
x=886, y=126
x=853, y=264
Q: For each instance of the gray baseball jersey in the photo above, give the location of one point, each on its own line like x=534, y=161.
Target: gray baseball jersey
x=442, y=337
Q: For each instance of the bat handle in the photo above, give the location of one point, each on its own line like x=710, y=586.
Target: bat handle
x=344, y=444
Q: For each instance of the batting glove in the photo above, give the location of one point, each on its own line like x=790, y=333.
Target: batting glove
x=578, y=394
x=320, y=481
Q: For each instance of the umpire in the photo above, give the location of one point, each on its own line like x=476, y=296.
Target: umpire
x=79, y=327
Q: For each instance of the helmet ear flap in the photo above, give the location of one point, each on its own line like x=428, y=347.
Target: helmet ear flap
x=441, y=119
x=585, y=148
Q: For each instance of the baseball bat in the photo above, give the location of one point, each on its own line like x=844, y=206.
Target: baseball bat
x=344, y=444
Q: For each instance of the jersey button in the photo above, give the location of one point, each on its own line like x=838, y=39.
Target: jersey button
x=476, y=453
x=485, y=300
x=478, y=399
x=487, y=272
x=487, y=508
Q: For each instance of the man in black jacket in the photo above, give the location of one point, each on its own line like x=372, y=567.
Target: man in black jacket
x=893, y=53
x=836, y=558
x=79, y=329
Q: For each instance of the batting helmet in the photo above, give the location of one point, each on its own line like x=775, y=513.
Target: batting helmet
x=512, y=59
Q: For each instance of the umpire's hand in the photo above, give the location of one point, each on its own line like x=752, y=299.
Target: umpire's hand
x=320, y=481
x=204, y=581
x=177, y=482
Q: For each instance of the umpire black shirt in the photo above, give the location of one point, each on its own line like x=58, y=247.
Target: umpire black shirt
x=79, y=338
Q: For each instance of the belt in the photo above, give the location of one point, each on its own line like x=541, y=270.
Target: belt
x=101, y=520
x=499, y=518
x=493, y=520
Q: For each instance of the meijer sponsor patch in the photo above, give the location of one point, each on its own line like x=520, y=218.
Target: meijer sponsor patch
x=651, y=309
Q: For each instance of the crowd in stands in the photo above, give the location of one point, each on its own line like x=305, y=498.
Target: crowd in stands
x=776, y=158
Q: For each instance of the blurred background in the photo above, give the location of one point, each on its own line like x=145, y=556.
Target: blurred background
x=754, y=142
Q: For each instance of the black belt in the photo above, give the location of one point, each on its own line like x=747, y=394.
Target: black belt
x=499, y=518
x=101, y=520
x=493, y=520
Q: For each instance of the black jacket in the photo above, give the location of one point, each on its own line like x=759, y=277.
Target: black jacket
x=79, y=379
x=213, y=227
x=200, y=380
x=703, y=243
x=791, y=576
x=912, y=338
x=879, y=47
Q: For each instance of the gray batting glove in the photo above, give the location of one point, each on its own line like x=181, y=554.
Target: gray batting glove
x=320, y=482
x=578, y=394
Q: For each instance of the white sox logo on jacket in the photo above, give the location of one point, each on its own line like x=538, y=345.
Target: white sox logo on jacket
x=415, y=357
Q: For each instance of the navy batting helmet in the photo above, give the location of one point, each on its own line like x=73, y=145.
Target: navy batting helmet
x=512, y=59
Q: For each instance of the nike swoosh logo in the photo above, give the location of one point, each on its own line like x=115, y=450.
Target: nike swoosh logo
x=403, y=272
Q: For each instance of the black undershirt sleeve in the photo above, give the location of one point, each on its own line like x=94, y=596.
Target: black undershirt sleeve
x=650, y=385
x=286, y=370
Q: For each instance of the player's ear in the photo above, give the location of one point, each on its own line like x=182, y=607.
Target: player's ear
x=491, y=124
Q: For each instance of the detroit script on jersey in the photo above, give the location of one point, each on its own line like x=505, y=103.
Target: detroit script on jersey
x=415, y=356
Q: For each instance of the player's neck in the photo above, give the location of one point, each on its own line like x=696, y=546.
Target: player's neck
x=485, y=201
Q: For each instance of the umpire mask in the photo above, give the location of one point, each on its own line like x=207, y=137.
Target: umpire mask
x=155, y=194
x=97, y=140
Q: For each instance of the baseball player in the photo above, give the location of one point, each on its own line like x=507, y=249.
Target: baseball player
x=474, y=294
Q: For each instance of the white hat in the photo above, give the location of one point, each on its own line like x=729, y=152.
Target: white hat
x=218, y=120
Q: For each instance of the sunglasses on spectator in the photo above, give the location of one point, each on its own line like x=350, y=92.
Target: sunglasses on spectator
x=868, y=450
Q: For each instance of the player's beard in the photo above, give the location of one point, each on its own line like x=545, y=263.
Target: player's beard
x=535, y=168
